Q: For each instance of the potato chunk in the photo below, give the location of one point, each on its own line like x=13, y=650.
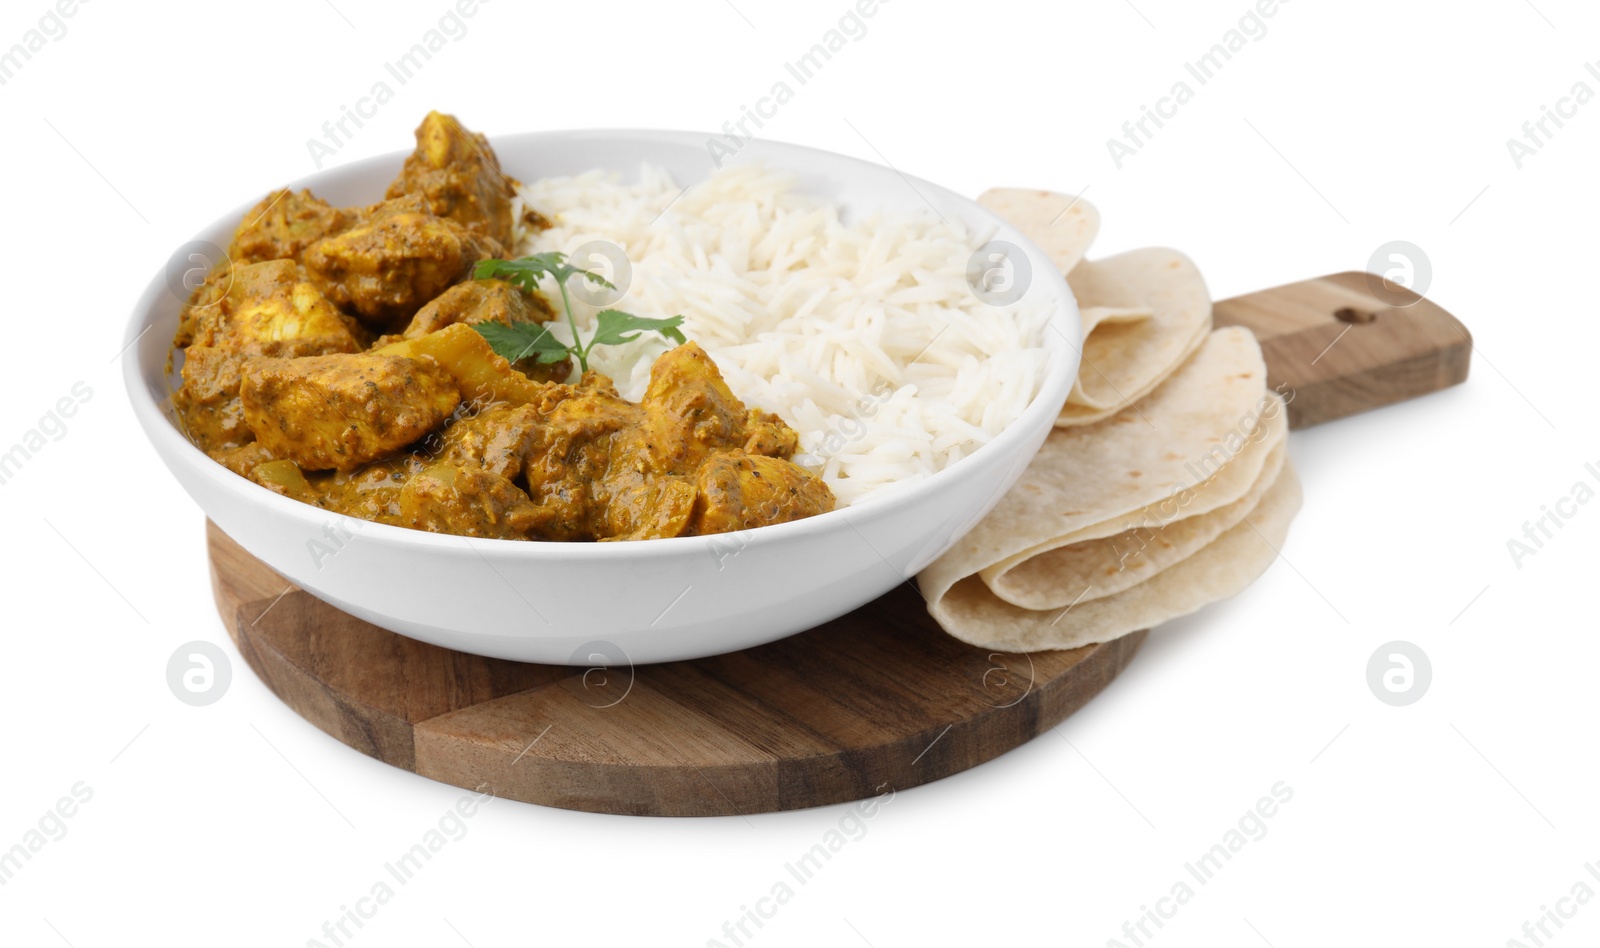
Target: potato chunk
x=341, y=411
x=480, y=374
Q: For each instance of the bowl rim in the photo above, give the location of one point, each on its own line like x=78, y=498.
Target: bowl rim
x=1062, y=368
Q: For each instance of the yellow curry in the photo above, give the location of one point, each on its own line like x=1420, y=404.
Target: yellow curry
x=336, y=358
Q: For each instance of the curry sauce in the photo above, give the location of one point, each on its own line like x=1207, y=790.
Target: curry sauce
x=334, y=360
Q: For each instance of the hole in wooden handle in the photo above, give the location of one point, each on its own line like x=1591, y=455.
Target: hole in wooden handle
x=1351, y=315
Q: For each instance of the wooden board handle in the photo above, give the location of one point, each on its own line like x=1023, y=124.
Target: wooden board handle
x=1350, y=342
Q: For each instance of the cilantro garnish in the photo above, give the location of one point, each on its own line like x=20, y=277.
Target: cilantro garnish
x=522, y=340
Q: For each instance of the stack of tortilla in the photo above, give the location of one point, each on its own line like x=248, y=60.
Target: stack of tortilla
x=1165, y=485
x=1143, y=312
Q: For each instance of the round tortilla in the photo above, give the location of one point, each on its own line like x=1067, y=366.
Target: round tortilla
x=1220, y=570
x=1063, y=225
x=1073, y=414
x=1087, y=570
x=1232, y=468
x=1180, y=436
x=1144, y=312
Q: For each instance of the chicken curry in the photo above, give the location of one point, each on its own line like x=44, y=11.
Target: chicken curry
x=338, y=357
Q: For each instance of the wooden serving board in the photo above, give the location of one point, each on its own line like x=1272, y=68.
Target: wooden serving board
x=879, y=699
x=1350, y=342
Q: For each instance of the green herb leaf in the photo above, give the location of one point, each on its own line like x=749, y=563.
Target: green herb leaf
x=527, y=271
x=614, y=327
x=521, y=340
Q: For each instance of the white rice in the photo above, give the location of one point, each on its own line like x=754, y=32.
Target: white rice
x=864, y=336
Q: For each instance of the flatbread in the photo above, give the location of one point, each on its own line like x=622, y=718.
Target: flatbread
x=1062, y=225
x=1105, y=298
x=1158, y=538
x=1185, y=432
x=1222, y=569
x=1073, y=414
x=1223, y=475
x=1144, y=312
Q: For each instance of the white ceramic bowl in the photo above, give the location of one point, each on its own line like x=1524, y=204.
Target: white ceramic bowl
x=645, y=601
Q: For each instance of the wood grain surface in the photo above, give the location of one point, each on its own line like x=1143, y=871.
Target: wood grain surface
x=1350, y=342
x=877, y=700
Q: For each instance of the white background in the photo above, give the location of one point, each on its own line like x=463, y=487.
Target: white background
x=1452, y=821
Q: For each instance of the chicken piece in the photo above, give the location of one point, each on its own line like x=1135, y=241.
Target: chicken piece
x=591, y=473
x=459, y=176
x=283, y=225
x=769, y=436
x=272, y=309
x=690, y=410
x=466, y=501
x=598, y=382
x=205, y=304
x=262, y=309
x=739, y=491
x=491, y=301
x=207, y=403
x=691, y=413
x=394, y=260
x=497, y=438
x=268, y=308
x=602, y=468
x=480, y=301
x=571, y=469
x=641, y=508
x=341, y=411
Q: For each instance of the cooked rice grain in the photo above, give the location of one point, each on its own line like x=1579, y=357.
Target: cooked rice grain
x=863, y=335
